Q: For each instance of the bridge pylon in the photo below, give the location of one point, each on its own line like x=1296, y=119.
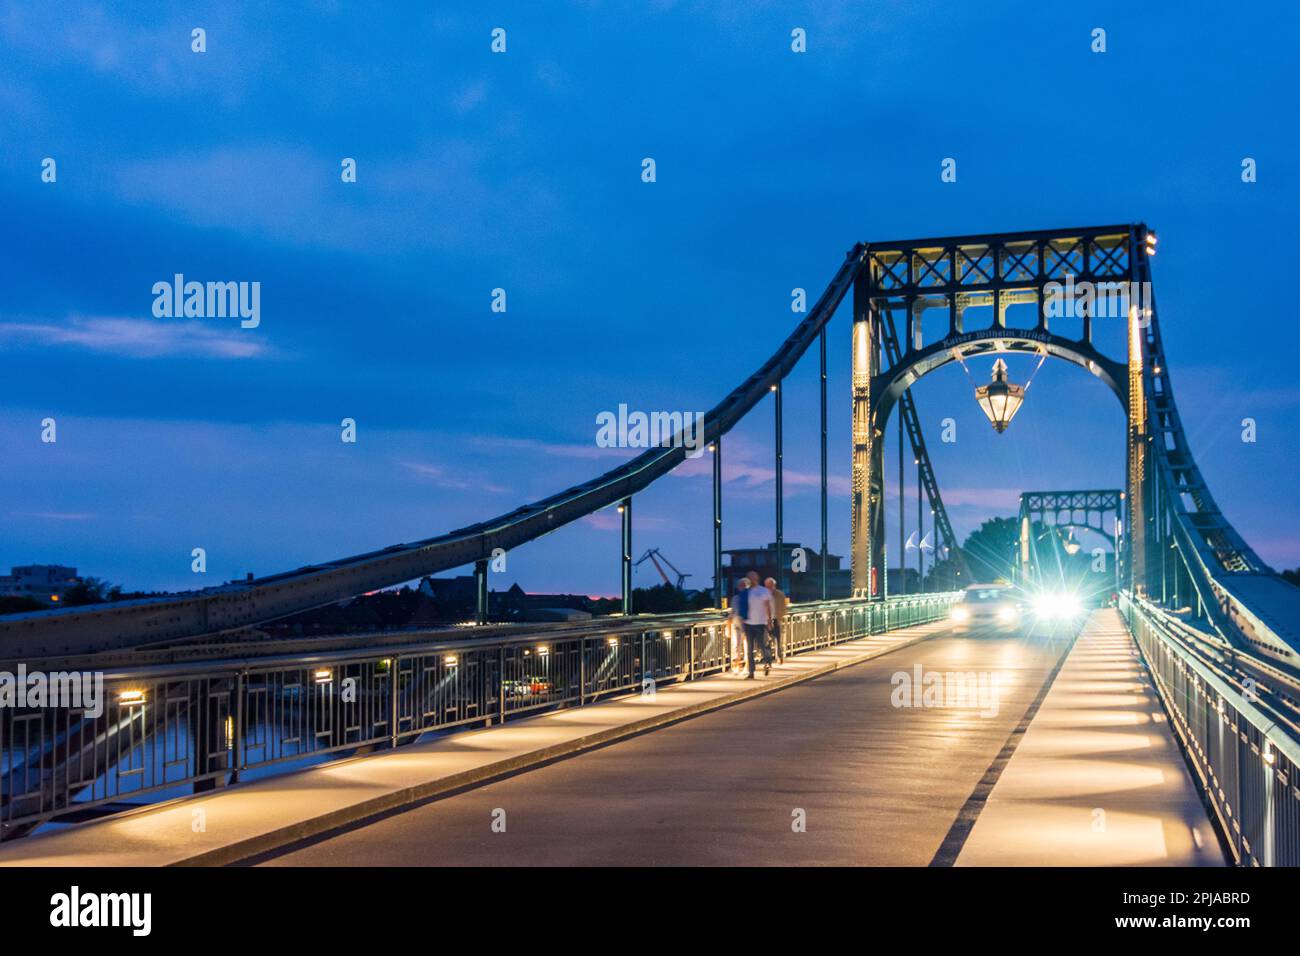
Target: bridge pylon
x=907, y=279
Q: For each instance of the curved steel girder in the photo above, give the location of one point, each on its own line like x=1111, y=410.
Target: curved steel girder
x=1058, y=503
x=889, y=385
x=233, y=606
x=1086, y=524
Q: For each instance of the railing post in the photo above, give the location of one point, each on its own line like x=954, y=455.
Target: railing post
x=480, y=591
x=902, y=511
x=392, y=700
x=718, y=594
x=501, y=685
x=780, y=493
x=823, y=451
x=205, y=737
x=625, y=509
x=920, y=531
x=237, y=731
x=582, y=671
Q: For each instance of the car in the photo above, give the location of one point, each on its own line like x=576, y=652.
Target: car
x=526, y=687
x=986, y=607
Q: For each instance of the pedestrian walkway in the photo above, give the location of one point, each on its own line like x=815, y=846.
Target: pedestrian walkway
x=1097, y=779
x=238, y=822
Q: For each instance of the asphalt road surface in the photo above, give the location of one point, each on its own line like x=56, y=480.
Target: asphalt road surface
x=874, y=783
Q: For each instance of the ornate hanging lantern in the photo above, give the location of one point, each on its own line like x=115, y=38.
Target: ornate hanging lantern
x=1000, y=399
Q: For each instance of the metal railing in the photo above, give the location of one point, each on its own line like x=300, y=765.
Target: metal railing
x=1242, y=738
x=203, y=723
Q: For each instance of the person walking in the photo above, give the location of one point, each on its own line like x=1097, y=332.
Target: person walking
x=736, y=625
x=779, y=605
x=758, y=618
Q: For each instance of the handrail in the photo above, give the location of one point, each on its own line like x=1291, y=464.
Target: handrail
x=193, y=659
x=1245, y=750
x=191, y=723
x=1231, y=666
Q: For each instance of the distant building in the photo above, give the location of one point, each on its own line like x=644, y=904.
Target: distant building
x=902, y=582
x=451, y=594
x=807, y=585
x=803, y=585
x=457, y=600
x=555, y=614
x=46, y=583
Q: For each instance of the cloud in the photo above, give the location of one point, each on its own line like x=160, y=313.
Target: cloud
x=443, y=193
x=747, y=465
x=153, y=58
x=53, y=515
x=137, y=338
x=550, y=75
x=609, y=519
x=438, y=475
x=470, y=97
x=246, y=188
x=739, y=464
x=958, y=496
x=557, y=449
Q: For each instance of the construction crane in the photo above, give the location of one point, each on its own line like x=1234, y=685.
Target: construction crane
x=655, y=556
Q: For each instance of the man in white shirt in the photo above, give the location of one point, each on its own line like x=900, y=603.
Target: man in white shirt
x=757, y=622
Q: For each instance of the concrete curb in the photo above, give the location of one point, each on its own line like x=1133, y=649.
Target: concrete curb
x=365, y=810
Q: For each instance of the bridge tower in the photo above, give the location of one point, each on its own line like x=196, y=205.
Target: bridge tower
x=1135, y=530
x=898, y=283
x=868, y=513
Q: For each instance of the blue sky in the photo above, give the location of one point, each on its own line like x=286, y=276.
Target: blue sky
x=522, y=171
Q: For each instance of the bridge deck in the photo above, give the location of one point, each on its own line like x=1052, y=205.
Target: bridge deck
x=1097, y=779
x=268, y=813
x=875, y=782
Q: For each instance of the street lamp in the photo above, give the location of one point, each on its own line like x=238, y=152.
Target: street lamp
x=1000, y=399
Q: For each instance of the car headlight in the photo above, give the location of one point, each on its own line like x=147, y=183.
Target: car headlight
x=1057, y=606
x=959, y=614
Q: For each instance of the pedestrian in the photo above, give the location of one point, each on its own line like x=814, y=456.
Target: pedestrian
x=779, y=605
x=758, y=618
x=736, y=625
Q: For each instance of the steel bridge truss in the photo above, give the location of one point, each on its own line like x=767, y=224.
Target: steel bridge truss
x=1177, y=546
x=903, y=281
x=1177, y=543
x=911, y=422
x=1061, y=509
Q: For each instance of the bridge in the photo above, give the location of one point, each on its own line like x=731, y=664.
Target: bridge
x=1164, y=729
